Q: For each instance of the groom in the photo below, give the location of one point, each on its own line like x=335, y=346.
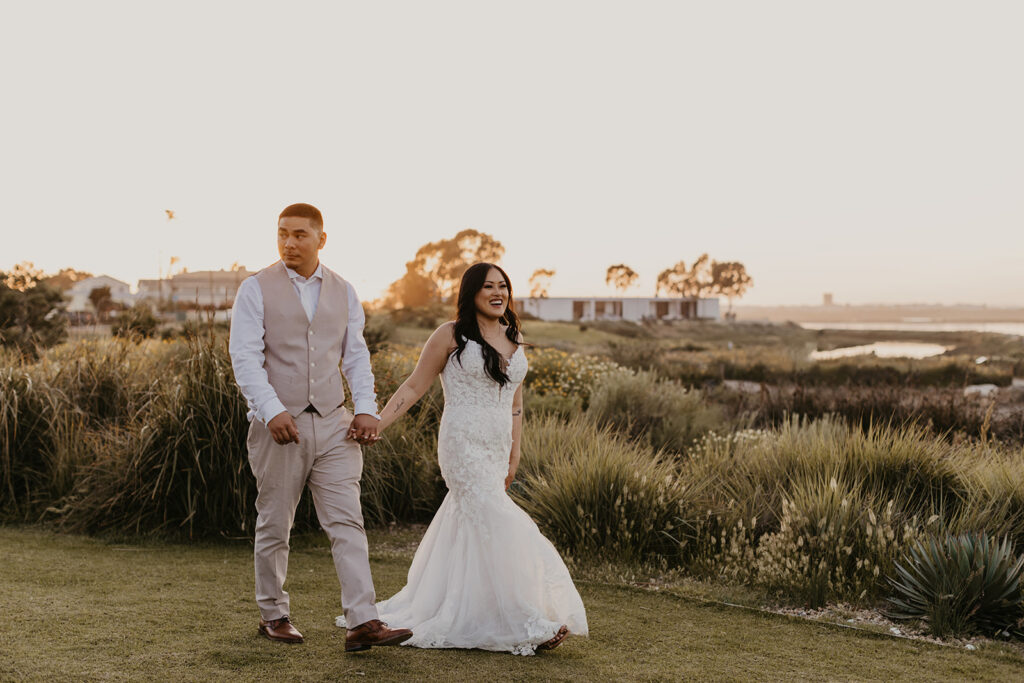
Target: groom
x=292, y=324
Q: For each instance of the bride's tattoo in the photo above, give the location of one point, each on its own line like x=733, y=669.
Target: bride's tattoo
x=517, y=413
x=400, y=404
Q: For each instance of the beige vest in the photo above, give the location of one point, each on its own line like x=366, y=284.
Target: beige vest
x=302, y=357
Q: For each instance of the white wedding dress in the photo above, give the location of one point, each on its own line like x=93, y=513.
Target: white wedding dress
x=483, y=575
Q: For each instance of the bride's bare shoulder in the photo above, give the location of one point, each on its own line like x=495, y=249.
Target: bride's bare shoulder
x=444, y=336
x=446, y=331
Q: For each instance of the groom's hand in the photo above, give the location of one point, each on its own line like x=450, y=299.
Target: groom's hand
x=282, y=427
x=364, y=428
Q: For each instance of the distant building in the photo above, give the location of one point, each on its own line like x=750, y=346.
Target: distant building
x=120, y=292
x=826, y=299
x=149, y=290
x=215, y=288
x=618, y=308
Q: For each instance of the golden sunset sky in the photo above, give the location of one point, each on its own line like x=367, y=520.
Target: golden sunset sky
x=870, y=149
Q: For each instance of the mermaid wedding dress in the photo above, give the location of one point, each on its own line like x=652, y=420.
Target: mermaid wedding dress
x=483, y=575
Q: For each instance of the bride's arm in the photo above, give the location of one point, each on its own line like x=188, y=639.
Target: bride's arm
x=432, y=361
x=517, y=433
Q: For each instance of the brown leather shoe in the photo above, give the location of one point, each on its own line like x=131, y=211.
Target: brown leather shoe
x=281, y=630
x=374, y=632
x=554, y=642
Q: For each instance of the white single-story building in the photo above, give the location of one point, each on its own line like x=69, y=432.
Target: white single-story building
x=635, y=309
x=120, y=292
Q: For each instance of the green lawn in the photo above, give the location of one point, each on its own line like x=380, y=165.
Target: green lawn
x=82, y=608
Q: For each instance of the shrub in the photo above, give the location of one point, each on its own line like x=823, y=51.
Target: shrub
x=564, y=374
x=638, y=355
x=378, y=331
x=959, y=584
x=31, y=313
x=596, y=494
x=564, y=407
x=137, y=322
x=623, y=328
x=665, y=414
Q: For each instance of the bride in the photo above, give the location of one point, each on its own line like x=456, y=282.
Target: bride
x=483, y=575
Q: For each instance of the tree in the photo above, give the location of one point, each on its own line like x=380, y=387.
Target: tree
x=66, y=278
x=540, y=283
x=412, y=290
x=620, y=276
x=695, y=282
x=23, y=276
x=730, y=279
x=700, y=281
x=101, y=301
x=138, y=322
x=671, y=280
x=445, y=261
x=434, y=273
x=31, y=311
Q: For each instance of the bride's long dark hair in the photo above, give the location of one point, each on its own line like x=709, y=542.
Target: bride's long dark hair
x=467, y=326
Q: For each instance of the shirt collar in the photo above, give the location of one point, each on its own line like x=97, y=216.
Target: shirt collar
x=317, y=274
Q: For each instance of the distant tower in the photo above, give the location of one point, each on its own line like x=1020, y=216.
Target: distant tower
x=827, y=299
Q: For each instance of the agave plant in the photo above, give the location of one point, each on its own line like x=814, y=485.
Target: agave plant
x=959, y=584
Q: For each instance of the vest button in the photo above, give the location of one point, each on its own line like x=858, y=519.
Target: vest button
x=312, y=348
x=312, y=365
x=311, y=333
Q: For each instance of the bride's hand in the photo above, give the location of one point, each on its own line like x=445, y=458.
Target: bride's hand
x=510, y=478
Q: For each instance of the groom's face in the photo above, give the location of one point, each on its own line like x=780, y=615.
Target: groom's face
x=298, y=241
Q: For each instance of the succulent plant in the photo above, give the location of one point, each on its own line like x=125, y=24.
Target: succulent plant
x=960, y=584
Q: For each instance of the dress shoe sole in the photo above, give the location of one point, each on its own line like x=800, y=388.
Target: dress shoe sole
x=266, y=634
x=394, y=640
x=557, y=640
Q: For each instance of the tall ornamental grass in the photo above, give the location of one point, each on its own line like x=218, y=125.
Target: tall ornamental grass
x=182, y=467
x=820, y=511
x=28, y=442
x=401, y=479
x=595, y=493
x=943, y=410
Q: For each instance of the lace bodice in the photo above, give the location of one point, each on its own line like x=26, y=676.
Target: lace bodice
x=466, y=382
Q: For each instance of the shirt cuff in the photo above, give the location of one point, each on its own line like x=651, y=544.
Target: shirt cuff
x=366, y=408
x=271, y=409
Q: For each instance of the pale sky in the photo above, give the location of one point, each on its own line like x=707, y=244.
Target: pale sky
x=870, y=149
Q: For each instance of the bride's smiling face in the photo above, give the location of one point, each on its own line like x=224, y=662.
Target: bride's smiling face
x=492, y=299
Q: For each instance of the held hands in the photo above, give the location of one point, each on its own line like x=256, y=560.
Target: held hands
x=283, y=429
x=365, y=429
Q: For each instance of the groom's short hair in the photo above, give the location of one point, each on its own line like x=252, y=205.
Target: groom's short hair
x=304, y=211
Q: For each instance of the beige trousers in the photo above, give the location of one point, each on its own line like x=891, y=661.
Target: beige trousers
x=331, y=464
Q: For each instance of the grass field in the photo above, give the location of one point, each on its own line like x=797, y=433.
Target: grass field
x=88, y=609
